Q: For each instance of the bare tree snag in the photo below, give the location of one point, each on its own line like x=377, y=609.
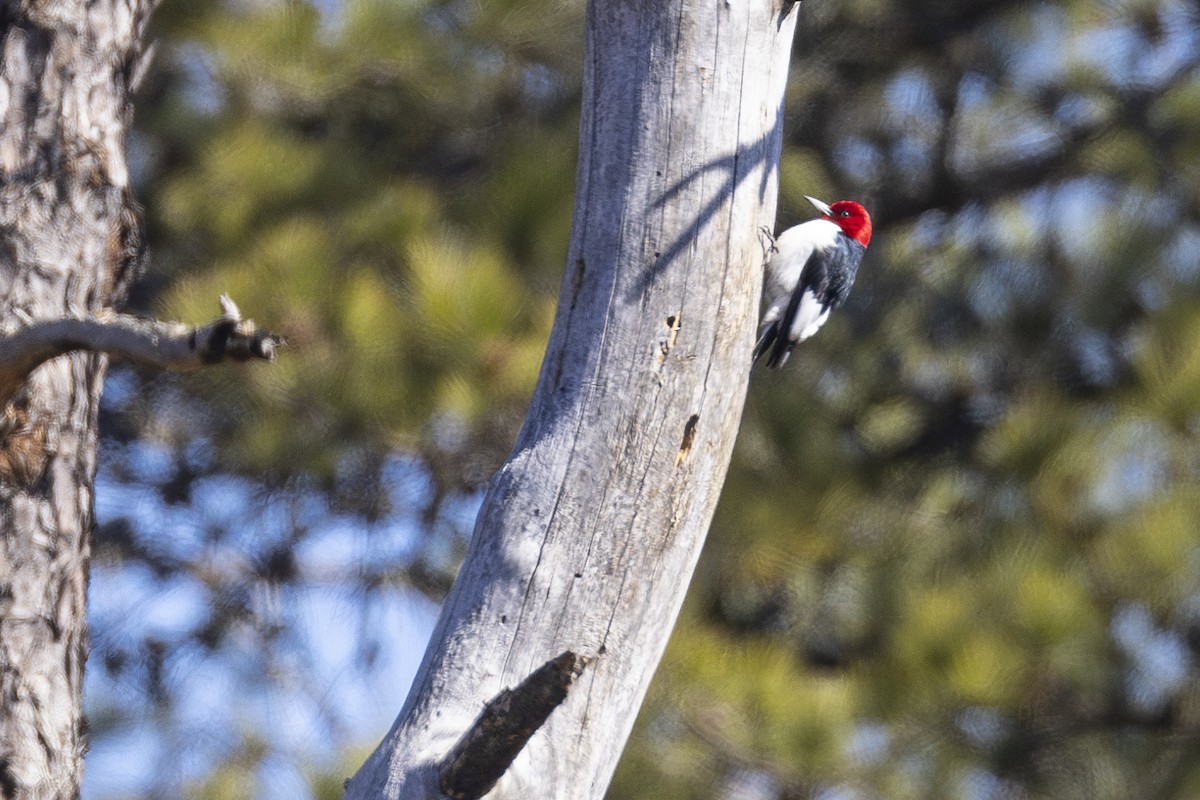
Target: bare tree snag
x=506, y=725
x=589, y=534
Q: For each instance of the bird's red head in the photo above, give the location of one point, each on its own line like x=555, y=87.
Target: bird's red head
x=851, y=218
x=848, y=215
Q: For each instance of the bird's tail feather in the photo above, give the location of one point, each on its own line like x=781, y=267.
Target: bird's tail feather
x=764, y=341
x=772, y=339
x=778, y=336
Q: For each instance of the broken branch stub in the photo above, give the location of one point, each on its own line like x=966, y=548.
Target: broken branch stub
x=165, y=345
x=507, y=723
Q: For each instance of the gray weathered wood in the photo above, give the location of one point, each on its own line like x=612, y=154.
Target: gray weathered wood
x=69, y=243
x=589, y=534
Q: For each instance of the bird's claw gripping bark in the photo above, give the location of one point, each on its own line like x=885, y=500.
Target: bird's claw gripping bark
x=769, y=244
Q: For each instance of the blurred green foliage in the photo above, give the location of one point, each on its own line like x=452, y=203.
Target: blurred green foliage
x=959, y=551
x=366, y=180
x=958, y=554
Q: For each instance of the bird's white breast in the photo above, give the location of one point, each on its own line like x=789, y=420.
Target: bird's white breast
x=793, y=249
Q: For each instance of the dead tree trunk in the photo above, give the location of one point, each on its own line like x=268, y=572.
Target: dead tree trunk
x=589, y=534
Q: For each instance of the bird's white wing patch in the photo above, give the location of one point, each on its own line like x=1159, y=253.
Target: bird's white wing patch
x=810, y=316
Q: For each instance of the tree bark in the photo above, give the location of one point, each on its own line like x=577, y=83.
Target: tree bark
x=589, y=534
x=69, y=244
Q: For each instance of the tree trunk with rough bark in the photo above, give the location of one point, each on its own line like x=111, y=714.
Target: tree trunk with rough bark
x=589, y=534
x=69, y=243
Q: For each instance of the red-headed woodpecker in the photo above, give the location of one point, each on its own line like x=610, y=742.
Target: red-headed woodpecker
x=809, y=274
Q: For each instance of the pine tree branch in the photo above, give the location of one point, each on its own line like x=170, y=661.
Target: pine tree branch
x=165, y=345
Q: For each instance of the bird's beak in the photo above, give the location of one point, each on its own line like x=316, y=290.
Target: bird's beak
x=822, y=207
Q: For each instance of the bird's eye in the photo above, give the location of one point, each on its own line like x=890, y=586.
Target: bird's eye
x=843, y=213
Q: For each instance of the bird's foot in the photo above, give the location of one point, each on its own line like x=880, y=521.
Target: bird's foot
x=768, y=242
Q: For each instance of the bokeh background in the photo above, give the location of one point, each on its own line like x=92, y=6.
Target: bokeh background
x=958, y=554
